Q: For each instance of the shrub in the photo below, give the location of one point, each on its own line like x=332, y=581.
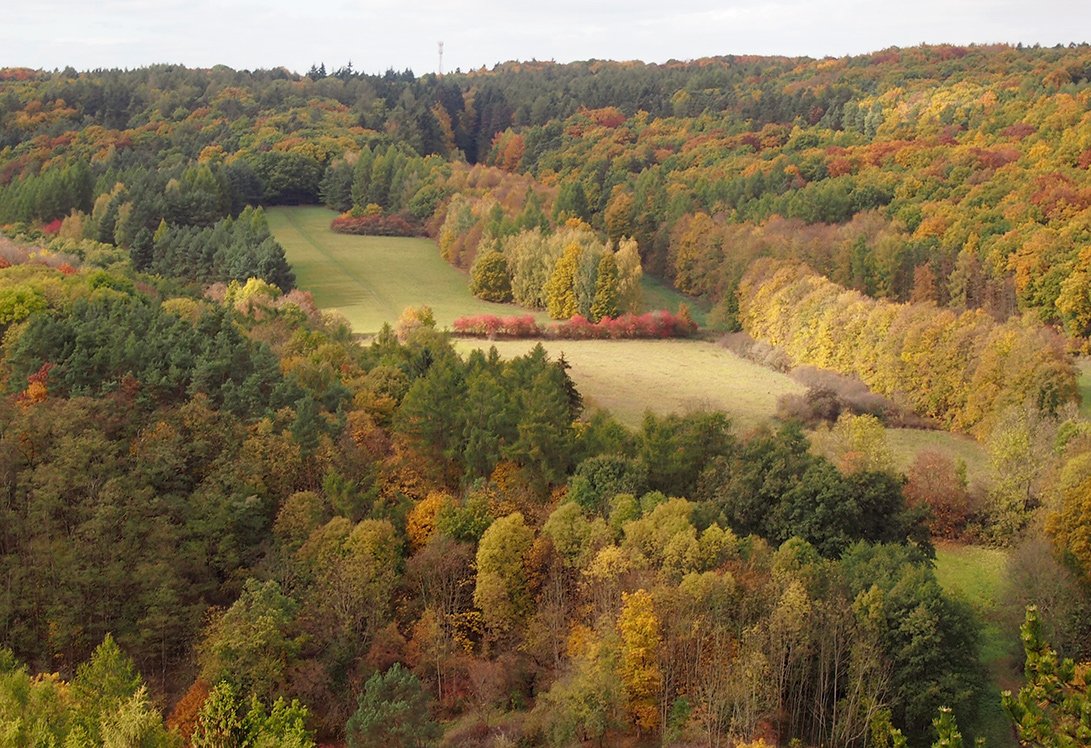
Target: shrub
x=659, y=324
x=375, y=224
x=492, y=327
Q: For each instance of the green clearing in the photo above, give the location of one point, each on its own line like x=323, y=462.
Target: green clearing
x=628, y=377
x=371, y=279
x=673, y=376
x=1084, y=368
x=354, y=275
x=656, y=294
x=977, y=575
x=907, y=443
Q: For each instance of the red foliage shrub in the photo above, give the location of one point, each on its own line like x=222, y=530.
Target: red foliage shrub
x=935, y=482
x=658, y=324
x=52, y=228
x=375, y=225
x=492, y=327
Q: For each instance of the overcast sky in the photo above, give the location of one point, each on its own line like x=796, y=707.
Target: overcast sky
x=380, y=34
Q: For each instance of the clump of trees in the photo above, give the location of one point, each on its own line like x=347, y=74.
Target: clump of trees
x=959, y=369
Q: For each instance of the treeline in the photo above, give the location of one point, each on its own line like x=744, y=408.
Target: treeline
x=179, y=227
x=567, y=272
x=232, y=249
x=389, y=177
x=961, y=369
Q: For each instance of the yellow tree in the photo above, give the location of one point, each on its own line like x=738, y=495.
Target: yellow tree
x=639, y=667
x=560, y=290
x=501, y=589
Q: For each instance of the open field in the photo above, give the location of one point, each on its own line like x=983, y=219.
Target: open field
x=371, y=279
x=354, y=274
x=628, y=377
x=977, y=575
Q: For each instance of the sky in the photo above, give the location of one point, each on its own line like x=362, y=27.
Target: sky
x=377, y=35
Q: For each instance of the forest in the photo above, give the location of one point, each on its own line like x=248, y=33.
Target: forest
x=227, y=520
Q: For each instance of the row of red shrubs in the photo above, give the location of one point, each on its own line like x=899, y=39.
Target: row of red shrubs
x=657, y=324
x=375, y=224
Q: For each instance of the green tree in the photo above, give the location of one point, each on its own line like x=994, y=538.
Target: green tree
x=586, y=701
x=501, y=590
x=103, y=684
x=544, y=441
x=1053, y=708
x=606, y=301
x=226, y=721
x=489, y=277
x=571, y=202
x=252, y=644
x=393, y=712
x=930, y=640
x=598, y=480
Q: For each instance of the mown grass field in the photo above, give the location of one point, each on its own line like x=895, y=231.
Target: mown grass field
x=978, y=575
x=629, y=377
x=371, y=279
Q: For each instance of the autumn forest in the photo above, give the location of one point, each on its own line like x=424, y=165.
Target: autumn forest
x=228, y=518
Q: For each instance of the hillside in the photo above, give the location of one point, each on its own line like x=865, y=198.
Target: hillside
x=226, y=517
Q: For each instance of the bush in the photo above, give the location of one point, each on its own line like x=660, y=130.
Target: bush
x=935, y=481
x=659, y=324
x=492, y=327
x=375, y=224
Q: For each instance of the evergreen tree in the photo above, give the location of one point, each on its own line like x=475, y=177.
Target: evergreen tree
x=393, y=712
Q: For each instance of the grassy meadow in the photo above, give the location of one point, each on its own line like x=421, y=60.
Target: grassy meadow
x=628, y=377
x=905, y=444
x=355, y=275
x=978, y=576
x=371, y=279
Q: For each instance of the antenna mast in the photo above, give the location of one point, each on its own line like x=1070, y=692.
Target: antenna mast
x=441, y=59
